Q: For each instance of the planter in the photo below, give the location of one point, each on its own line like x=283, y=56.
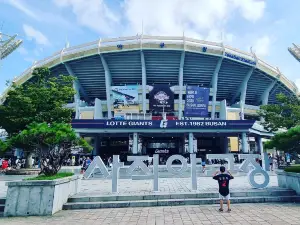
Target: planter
x=289, y=180
x=39, y=198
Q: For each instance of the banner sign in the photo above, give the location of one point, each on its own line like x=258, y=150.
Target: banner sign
x=161, y=98
x=125, y=99
x=196, y=101
x=156, y=124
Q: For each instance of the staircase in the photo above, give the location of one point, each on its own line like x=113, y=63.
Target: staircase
x=2, y=205
x=161, y=199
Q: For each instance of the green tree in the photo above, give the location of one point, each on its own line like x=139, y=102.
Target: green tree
x=288, y=141
x=285, y=114
x=52, y=143
x=39, y=100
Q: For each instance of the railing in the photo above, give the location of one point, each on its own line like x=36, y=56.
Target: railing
x=58, y=57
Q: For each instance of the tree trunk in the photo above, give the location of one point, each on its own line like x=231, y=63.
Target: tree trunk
x=28, y=163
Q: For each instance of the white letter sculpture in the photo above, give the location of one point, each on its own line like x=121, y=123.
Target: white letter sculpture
x=250, y=160
x=97, y=163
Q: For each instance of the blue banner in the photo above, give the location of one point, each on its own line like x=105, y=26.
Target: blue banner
x=162, y=124
x=196, y=101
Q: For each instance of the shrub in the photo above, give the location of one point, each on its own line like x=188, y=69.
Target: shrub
x=293, y=169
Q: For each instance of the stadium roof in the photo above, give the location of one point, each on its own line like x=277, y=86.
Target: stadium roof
x=162, y=55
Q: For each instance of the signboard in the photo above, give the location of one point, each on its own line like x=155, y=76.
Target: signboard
x=161, y=98
x=239, y=58
x=156, y=124
x=196, y=101
x=125, y=99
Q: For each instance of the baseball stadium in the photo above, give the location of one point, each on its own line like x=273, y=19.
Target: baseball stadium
x=167, y=95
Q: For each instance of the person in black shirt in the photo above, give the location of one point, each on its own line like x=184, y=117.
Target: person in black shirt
x=223, y=180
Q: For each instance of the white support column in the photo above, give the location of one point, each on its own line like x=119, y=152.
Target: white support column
x=144, y=81
x=215, y=87
x=265, y=96
x=135, y=143
x=76, y=84
x=244, y=91
x=191, y=143
x=244, y=143
x=98, y=114
x=223, y=110
x=180, y=82
x=107, y=86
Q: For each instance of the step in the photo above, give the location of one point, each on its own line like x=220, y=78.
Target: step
x=189, y=195
x=2, y=207
x=176, y=202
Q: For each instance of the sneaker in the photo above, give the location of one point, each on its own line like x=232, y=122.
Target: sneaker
x=220, y=210
x=229, y=210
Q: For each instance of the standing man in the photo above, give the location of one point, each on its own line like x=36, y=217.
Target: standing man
x=223, y=180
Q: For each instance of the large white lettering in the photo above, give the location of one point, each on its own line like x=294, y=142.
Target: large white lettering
x=138, y=163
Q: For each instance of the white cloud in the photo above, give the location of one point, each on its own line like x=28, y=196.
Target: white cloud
x=198, y=17
x=22, y=7
x=94, y=14
x=251, y=10
x=262, y=46
x=38, y=36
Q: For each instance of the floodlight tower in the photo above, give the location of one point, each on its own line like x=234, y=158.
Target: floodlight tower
x=295, y=51
x=8, y=44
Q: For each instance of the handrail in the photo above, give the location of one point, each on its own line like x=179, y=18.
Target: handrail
x=150, y=39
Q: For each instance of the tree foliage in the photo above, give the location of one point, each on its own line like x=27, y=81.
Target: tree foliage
x=285, y=114
x=288, y=141
x=52, y=144
x=39, y=100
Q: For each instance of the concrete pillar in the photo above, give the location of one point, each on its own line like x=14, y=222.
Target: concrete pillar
x=265, y=96
x=244, y=91
x=144, y=82
x=244, y=143
x=107, y=86
x=98, y=114
x=223, y=110
x=259, y=144
x=225, y=145
x=191, y=143
x=135, y=144
x=214, y=83
x=180, y=82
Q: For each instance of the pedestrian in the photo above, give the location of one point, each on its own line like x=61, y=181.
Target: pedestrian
x=223, y=180
x=271, y=162
x=109, y=161
x=203, y=165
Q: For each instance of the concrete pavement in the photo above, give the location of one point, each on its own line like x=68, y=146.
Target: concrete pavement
x=243, y=214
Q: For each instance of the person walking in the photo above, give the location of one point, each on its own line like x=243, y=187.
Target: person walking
x=223, y=180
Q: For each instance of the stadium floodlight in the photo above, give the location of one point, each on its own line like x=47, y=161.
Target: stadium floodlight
x=295, y=51
x=8, y=44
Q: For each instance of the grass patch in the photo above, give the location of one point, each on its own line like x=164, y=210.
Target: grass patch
x=293, y=169
x=54, y=177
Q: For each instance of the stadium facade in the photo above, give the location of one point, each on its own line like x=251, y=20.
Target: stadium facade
x=167, y=95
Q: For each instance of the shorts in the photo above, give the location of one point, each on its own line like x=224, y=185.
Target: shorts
x=221, y=197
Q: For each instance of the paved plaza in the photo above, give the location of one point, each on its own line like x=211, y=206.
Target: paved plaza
x=166, y=185
x=243, y=214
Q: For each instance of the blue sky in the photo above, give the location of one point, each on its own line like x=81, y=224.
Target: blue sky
x=268, y=26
